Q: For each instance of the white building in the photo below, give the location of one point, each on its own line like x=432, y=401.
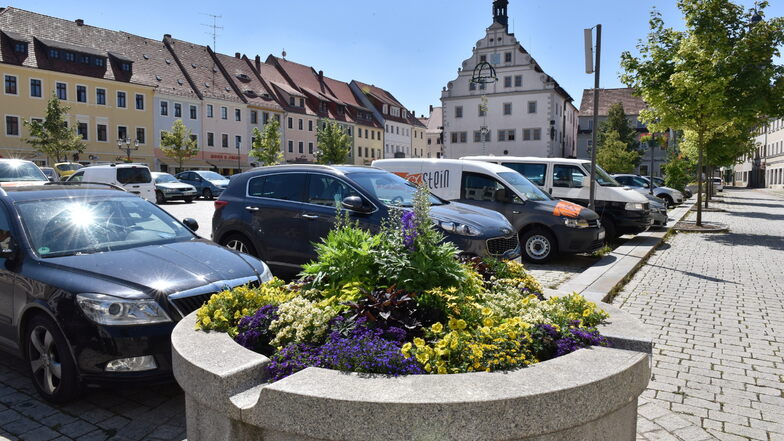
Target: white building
x=524, y=113
x=764, y=167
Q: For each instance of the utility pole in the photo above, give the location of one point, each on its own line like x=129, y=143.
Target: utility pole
x=592, y=65
x=650, y=172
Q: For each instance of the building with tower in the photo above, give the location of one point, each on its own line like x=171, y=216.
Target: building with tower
x=525, y=112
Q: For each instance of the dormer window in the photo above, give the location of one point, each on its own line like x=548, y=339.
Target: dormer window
x=54, y=54
x=302, y=102
x=323, y=107
x=70, y=56
x=84, y=59
x=292, y=101
x=20, y=48
x=341, y=110
x=244, y=78
x=125, y=67
x=99, y=62
x=386, y=109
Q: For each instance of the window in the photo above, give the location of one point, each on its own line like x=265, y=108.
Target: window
x=301, y=126
x=507, y=57
x=12, y=125
x=70, y=56
x=84, y=59
x=479, y=187
x=291, y=122
x=302, y=102
x=291, y=146
x=310, y=148
x=10, y=85
x=482, y=58
x=209, y=110
x=478, y=136
x=192, y=110
x=224, y=140
x=301, y=146
x=121, y=99
x=126, y=67
x=265, y=118
x=237, y=142
x=99, y=61
x=81, y=129
x=286, y=186
x=537, y=134
x=164, y=108
x=100, y=96
x=292, y=101
x=141, y=135
x=506, y=135
x=139, y=101
x=310, y=126
x=526, y=134
x=359, y=152
x=472, y=86
x=531, y=106
x=81, y=94
x=20, y=48
x=644, y=169
x=177, y=110
x=210, y=139
x=328, y=191
x=35, y=88
x=254, y=117
x=237, y=115
x=101, y=132
x=458, y=111
x=507, y=108
x=122, y=132
x=567, y=176
x=532, y=172
x=507, y=81
x=195, y=139
x=54, y=54
x=459, y=137
x=62, y=92
x=224, y=112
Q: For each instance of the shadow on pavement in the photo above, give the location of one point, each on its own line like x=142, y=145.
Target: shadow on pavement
x=757, y=215
x=691, y=274
x=734, y=239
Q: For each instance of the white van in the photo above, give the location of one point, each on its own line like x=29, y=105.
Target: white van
x=544, y=226
x=134, y=178
x=623, y=210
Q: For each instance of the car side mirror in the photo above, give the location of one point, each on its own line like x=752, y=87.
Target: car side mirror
x=8, y=249
x=354, y=203
x=191, y=224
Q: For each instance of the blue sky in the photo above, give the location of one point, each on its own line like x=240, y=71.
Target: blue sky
x=410, y=47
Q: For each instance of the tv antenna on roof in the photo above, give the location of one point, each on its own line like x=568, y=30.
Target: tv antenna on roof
x=214, y=26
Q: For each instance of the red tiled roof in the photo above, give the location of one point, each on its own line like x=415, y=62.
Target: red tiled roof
x=156, y=65
x=384, y=97
x=343, y=92
x=246, y=81
x=199, y=65
x=632, y=105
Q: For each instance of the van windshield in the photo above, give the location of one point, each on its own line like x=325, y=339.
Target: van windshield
x=389, y=188
x=524, y=187
x=602, y=177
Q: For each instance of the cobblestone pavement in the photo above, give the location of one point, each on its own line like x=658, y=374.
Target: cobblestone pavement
x=560, y=270
x=715, y=306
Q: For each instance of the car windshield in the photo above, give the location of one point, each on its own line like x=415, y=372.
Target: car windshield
x=68, y=226
x=164, y=178
x=602, y=177
x=20, y=171
x=524, y=186
x=659, y=182
x=48, y=172
x=211, y=176
x=68, y=167
x=389, y=188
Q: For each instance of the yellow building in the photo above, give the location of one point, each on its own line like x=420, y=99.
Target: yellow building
x=87, y=69
x=418, y=138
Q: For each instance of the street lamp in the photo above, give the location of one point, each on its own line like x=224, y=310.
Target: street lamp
x=128, y=145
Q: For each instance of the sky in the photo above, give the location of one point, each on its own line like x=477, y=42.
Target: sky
x=412, y=48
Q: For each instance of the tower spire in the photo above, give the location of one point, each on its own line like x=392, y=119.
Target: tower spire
x=499, y=12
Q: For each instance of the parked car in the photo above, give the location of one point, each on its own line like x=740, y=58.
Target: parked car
x=544, y=226
x=208, y=184
x=671, y=196
x=658, y=211
x=66, y=169
x=660, y=182
x=50, y=174
x=718, y=184
x=15, y=171
x=622, y=210
x=168, y=188
x=134, y=178
x=277, y=213
x=93, y=280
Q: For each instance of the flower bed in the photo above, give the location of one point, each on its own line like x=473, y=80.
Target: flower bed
x=400, y=302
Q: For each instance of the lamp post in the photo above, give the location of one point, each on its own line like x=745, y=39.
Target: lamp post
x=592, y=65
x=128, y=145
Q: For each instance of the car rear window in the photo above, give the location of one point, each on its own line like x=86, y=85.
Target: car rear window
x=133, y=175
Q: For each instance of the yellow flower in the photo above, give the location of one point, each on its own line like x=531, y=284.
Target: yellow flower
x=441, y=370
x=437, y=327
x=406, y=349
x=586, y=313
x=487, y=322
x=428, y=368
x=206, y=320
x=487, y=311
x=422, y=357
x=453, y=344
x=461, y=325
x=419, y=343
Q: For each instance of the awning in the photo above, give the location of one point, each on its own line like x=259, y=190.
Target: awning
x=71, y=47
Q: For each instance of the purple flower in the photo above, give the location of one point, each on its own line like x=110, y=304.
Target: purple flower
x=253, y=330
x=577, y=338
x=409, y=229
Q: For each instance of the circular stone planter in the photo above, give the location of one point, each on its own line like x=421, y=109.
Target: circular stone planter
x=706, y=227
x=590, y=394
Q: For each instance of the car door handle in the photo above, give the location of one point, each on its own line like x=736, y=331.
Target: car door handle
x=515, y=212
x=249, y=208
x=310, y=216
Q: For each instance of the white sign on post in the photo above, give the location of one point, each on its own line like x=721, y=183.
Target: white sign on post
x=588, y=50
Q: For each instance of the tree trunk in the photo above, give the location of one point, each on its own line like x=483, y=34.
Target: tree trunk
x=708, y=184
x=699, y=179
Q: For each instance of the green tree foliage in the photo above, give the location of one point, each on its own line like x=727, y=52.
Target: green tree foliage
x=614, y=155
x=266, y=145
x=178, y=143
x=617, y=122
x=715, y=76
x=333, y=142
x=52, y=137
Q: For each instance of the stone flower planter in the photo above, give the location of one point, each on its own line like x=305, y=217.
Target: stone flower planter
x=587, y=395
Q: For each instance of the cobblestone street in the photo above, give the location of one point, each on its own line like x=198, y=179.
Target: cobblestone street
x=715, y=307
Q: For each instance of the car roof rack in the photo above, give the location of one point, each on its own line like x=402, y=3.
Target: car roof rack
x=112, y=186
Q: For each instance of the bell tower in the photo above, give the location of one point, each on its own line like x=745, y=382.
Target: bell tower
x=499, y=12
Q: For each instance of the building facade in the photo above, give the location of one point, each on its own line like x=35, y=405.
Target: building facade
x=367, y=140
x=434, y=132
x=765, y=167
x=525, y=112
x=392, y=115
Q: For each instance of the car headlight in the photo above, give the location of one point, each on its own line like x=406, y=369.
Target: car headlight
x=457, y=228
x=266, y=274
x=109, y=310
x=634, y=206
x=168, y=190
x=575, y=223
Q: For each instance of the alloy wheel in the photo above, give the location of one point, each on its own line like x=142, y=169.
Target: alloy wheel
x=45, y=361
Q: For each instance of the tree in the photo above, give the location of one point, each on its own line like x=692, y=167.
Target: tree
x=178, y=143
x=716, y=74
x=266, y=146
x=617, y=122
x=333, y=143
x=614, y=156
x=52, y=137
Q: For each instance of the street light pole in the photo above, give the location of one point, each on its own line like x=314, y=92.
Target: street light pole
x=128, y=146
x=595, y=67
x=650, y=179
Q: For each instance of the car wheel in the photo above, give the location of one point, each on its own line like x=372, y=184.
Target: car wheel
x=49, y=359
x=188, y=200
x=207, y=194
x=668, y=202
x=159, y=199
x=538, y=245
x=238, y=242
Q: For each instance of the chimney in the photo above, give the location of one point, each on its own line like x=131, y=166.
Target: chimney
x=236, y=54
x=258, y=63
x=431, y=108
x=79, y=22
x=167, y=36
x=321, y=76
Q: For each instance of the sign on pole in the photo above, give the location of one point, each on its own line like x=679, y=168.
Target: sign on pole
x=588, y=50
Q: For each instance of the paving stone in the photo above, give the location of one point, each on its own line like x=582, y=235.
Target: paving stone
x=40, y=434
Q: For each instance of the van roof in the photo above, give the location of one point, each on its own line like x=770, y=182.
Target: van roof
x=476, y=165
x=123, y=165
x=524, y=159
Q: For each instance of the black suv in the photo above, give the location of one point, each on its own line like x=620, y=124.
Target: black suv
x=92, y=281
x=277, y=213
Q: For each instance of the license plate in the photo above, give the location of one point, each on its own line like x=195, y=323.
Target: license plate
x=601, y=235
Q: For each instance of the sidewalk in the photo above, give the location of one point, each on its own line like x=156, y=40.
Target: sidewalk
x=714, y=304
